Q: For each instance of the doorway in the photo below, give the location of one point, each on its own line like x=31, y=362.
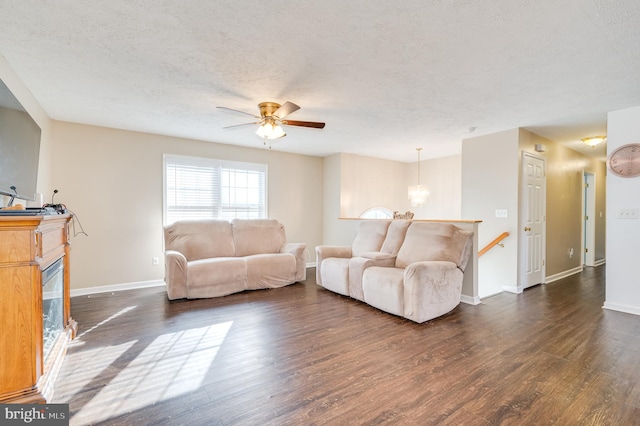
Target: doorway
x=589, y=219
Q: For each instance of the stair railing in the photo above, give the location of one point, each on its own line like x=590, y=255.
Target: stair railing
x=492, y=244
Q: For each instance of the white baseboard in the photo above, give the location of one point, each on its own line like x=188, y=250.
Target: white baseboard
x=600, y=262
x=564, y=274
x=127, y=286
x=115, y=287
x=512, y=289
x=635, y=310
x=492, y=294
x=470, y=300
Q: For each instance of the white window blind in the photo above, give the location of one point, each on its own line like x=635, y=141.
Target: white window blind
x=197, y=188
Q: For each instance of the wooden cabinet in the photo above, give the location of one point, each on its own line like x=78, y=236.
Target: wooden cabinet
x=28, y=246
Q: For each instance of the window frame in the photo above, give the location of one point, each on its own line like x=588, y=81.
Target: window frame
x=220, y=166
x=388, y=214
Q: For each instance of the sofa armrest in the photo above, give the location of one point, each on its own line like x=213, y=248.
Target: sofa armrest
x=298, y=250
x=325, y=252
x=431, y=289
x=175, y=274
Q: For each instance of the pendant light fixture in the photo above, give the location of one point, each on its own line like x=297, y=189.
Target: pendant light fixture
x=418, y=193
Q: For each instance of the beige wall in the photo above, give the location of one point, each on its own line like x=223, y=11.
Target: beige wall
x=354, y=184
x=443, y=178
x=112, y=180
x=335, y=230
x=368, y=182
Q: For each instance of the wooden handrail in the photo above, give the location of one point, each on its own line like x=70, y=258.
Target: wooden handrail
x=493, y=243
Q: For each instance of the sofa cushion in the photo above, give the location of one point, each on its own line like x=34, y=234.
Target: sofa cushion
x=370, y=236
x=257, y=236
x=200, y=239
x=216, y=277
x=428, y=241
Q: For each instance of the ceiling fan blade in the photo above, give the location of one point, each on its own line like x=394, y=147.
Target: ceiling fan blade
x=243, y=124
x=314, y=124
x=286, y=109
x=231, y=110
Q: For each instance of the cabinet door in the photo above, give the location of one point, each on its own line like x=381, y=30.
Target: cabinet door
x=17, y=346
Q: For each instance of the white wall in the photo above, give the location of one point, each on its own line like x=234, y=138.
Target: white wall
x=112, y=180
x=490, y=182
x=623, y=235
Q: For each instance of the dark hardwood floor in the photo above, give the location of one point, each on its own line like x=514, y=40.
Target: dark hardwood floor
x=301, y=355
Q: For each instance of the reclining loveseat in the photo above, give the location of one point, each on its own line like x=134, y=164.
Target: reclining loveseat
x=410, y=269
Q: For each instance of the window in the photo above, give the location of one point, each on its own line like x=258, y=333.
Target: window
x=377, y=213
x=199, y=188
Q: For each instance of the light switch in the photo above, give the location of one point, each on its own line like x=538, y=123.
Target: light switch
x=628, y=213
x=502, y=213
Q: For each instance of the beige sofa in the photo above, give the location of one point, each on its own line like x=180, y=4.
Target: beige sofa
x=410, y=269
x=211, y=258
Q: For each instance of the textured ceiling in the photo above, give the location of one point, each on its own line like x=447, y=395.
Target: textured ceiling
x=386, y=77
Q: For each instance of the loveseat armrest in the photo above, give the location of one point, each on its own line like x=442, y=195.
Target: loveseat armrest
x=378, y=255
x=325, y=252
x=175, y=274
x=298, y=250
x=357, y=266
x=431, y=288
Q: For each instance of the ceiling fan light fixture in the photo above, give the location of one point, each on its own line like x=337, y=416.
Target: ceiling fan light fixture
x=594, y=140
x=270, y=130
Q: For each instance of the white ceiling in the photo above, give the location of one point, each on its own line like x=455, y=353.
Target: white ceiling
x=387, y=77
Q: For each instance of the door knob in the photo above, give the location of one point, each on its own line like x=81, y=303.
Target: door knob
x=527, y=229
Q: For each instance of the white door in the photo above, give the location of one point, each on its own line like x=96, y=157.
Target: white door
x=589, y=235
x=532, y=221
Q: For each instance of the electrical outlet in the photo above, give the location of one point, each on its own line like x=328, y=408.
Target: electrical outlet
x=155, y=261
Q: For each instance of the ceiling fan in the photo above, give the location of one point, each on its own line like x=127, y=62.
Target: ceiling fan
x=272, y=118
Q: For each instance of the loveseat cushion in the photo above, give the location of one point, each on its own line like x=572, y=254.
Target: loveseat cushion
x=395, y=236
x=431, y=241
x=370, y=236
x=257, y=236
x=200, y=239
x=383, y=288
